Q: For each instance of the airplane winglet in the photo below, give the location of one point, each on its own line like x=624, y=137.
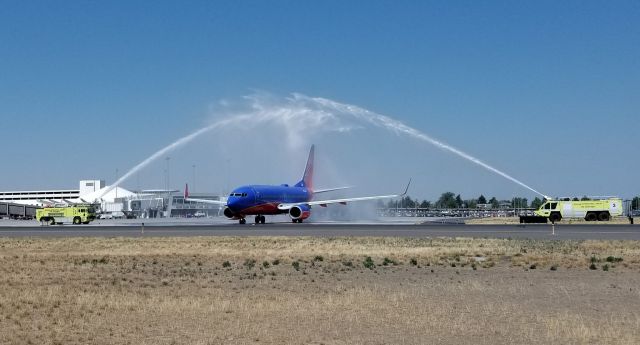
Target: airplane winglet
x=407, y=188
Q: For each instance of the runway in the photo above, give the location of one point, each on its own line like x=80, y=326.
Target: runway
x=533, y=231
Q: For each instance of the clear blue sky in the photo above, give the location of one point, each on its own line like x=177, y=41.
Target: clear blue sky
x=546, y=90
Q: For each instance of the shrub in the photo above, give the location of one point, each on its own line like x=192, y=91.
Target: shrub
x=593, y=267
x=265, y=264
x=613, y=259
x=348, y=263
x=413, y=262
x=594, y=259
x=368, y=263
x=488, y=264
x=296, y=265
x=275, y=262
x=605, y=267
x=249, y=263
x=318, y=258
x=226, y=264
x=388, y=261
x=554, y=268
x=533, y=266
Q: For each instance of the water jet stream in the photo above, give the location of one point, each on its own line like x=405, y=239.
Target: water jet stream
x=316, y=114
x=399, y=127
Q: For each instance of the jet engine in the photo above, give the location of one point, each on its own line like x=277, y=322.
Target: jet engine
x=229, y=214
x=300, y=212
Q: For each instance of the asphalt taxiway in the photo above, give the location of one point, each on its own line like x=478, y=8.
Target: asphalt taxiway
x=530, y=231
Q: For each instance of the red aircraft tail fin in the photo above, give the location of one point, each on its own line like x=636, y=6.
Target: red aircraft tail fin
x=186, y=191
x=307, y=178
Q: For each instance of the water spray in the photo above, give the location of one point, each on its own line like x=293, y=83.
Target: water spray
x=313, y=113
x=399, y=127
x=176, y=144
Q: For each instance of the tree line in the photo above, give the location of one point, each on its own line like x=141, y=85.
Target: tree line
x=451, y=200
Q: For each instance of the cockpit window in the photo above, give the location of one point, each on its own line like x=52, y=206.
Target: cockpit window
x=547, y=206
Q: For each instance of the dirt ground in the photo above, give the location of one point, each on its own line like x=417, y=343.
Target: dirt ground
x=318, y=291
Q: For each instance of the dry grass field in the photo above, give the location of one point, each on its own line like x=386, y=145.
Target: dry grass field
x=318, y=291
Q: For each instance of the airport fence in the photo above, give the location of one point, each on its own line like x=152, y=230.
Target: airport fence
x=455, y=212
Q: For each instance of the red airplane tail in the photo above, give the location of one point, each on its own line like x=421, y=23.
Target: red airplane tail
x=307, y=178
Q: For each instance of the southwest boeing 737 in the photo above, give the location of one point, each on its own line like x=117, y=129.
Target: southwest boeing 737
x=296, y=200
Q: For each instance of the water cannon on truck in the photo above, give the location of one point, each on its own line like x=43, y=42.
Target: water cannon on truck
x=590, y=209
x=76, y=214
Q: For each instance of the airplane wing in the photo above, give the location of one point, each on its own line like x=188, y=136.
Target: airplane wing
x=206, y=201
x=344, y=201
x=330, y=189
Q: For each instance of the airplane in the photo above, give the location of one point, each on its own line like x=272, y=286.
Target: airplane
x=296, y=200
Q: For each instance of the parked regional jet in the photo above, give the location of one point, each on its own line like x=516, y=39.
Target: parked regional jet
x=297, y=200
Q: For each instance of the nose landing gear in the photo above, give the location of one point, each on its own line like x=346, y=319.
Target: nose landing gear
x=242, y=221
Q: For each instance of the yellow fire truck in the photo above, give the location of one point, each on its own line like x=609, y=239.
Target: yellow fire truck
x=590, y=210
x=76, y=214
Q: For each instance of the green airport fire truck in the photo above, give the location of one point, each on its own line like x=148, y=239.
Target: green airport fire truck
x=76, y=214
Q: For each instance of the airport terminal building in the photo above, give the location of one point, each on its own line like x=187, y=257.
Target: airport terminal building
x=118, y=201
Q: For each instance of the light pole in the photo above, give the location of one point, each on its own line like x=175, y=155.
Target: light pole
x=194, y=177
x=116, y=188
x=226, y=176
x=164, y=178
x=168, y=181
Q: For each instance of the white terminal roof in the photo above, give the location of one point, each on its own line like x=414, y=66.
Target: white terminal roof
x=90, y=191
x=97, y=196
x=39, y=197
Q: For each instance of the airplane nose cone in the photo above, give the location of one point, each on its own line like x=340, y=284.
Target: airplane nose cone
x=234, y=204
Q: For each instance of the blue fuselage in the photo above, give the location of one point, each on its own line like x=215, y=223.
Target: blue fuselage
x=264, y=199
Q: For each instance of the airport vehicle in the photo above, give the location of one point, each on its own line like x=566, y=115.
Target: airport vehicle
x=595, y=209
x=296, y=200
x=112, y=215
x=76, y=214
x=17, y=211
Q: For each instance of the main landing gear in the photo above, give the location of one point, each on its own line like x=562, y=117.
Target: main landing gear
x=258, y=220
